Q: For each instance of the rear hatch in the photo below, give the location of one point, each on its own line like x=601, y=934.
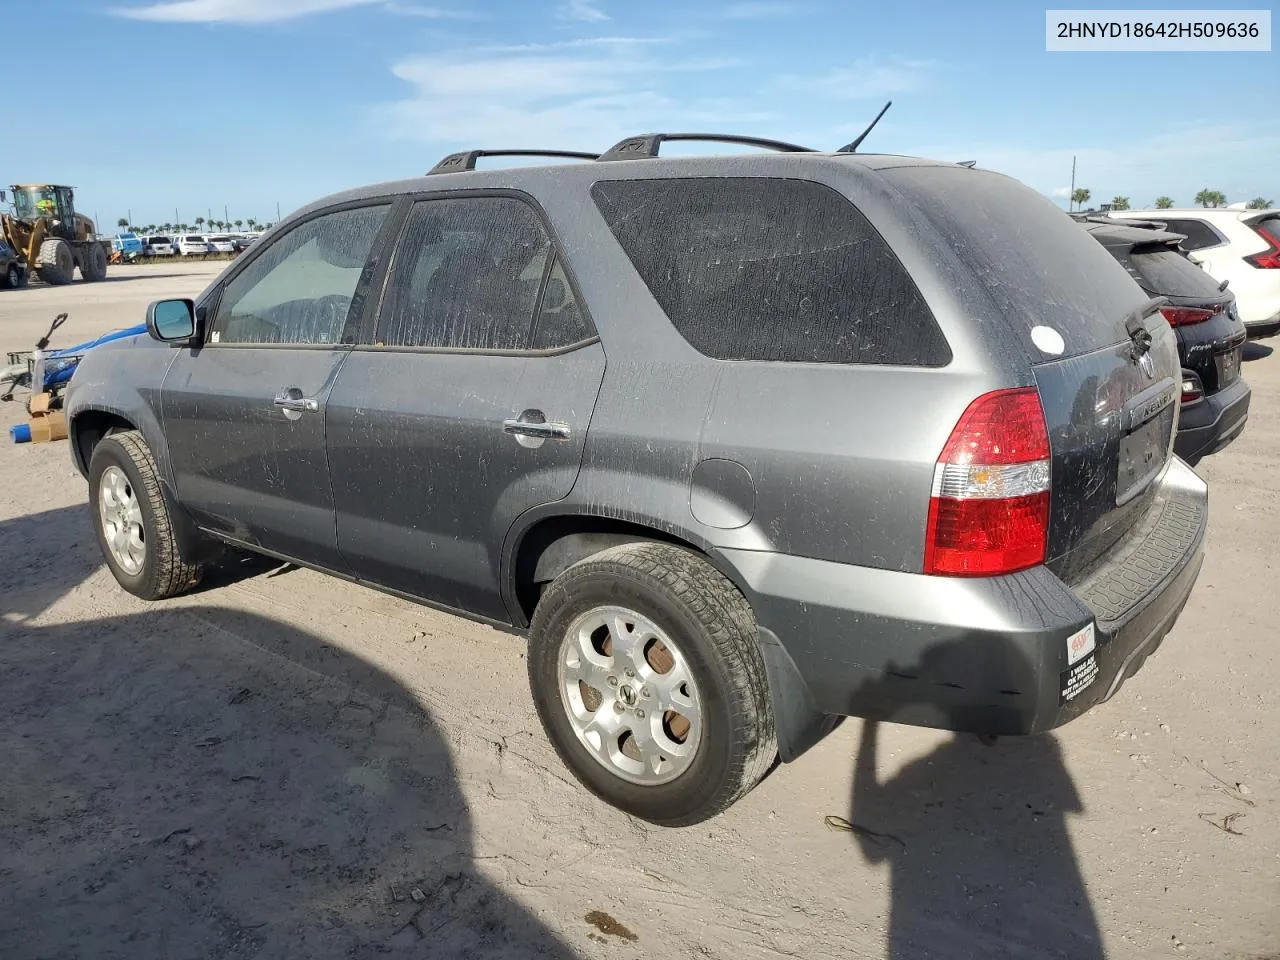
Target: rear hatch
x=1199, y=308
x=1103, y=358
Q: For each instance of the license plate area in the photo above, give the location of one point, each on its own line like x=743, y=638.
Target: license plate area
x=1147, y=441
x=1228, y=367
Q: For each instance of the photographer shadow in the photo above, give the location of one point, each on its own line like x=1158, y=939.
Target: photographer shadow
x=975, y=835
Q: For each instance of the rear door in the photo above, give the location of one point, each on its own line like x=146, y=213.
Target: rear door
x=1110, y=397
x=471, y=405
x=244, y=415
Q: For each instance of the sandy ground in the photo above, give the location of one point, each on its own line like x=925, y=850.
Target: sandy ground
x=283, y=765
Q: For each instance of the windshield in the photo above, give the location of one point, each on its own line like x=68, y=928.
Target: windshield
x=32, y=202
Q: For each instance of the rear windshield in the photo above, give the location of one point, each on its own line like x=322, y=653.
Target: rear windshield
x=1034, y=262
x=195, y=239
x=1168, y=273
x=155, y=241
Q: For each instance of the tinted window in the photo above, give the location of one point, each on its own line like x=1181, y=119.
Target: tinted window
x=299, y=290
x=1034, y=262
x=1199, y=234
x=1170, y=274
x=466, y=275
x=560, y=320
x=771, y=269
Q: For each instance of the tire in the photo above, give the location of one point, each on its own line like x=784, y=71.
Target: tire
x=123, y=461
x=94, y=265
x=12, y=279
x=56, y=263
x=674, y=595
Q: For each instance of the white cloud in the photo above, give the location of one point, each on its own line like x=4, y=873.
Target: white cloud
x=868, y=77
x=575, y=95
x=235, y=11
x=429, y=13
x=1060, y=193
x=586, y=10
x=759, y=11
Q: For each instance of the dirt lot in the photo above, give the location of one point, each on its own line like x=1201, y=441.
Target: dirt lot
x=283, y=765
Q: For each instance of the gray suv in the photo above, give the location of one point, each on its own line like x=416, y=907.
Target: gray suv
x=742, y=444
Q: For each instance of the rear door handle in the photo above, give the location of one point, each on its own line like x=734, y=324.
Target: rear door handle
x=540, y=431
x=297, y=404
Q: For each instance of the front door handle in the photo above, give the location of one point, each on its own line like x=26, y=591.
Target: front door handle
x=536, y=430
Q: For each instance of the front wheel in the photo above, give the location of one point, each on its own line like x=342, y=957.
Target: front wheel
x=646, y=673
x=12, y=277
x=132, y=522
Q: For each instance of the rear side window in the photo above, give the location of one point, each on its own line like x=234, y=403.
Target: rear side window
x=1198, y=233
x=771, y=269
x=1168, y=273
x=467, y=274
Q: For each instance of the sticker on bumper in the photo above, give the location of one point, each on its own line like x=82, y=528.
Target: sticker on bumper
x=1076, y=679
x=1080, y=644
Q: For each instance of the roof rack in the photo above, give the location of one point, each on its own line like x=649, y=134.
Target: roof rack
x=466, y=160
x=646, y=145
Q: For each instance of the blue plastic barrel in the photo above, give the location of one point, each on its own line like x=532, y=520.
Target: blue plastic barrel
x=20, y=433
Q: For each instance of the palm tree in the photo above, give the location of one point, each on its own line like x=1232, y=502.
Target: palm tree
x=1164, y=203
x=122, y=223
x=199, y=222
x=239, y=224
x=253, y=224
x=1120, y=203
x=1081, y=195
x=1258, y=203
x=1211, y=198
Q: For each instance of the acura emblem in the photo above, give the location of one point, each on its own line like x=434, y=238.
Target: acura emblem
x=1148, y=365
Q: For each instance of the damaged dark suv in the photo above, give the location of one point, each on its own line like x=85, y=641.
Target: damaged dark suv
x=741, y=443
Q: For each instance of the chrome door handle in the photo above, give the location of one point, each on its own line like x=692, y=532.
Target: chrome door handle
x=540, y=431
x=299, y=404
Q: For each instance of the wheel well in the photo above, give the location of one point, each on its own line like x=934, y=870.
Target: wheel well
x=554, y=545
x=90, y=427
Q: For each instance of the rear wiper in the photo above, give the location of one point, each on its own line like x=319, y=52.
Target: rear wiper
x=1135, y=325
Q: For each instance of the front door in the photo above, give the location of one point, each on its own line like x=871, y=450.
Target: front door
x=471, y=407
x=245, y=414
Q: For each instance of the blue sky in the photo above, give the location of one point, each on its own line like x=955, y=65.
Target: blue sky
x=198, y=104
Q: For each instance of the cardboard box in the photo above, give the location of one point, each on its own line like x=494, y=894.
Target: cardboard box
x=49, y=427
x=39, y=404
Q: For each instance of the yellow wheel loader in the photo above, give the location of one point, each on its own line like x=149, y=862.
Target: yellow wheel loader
x=51, y=237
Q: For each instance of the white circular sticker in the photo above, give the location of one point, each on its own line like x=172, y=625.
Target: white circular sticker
x=1048, y=340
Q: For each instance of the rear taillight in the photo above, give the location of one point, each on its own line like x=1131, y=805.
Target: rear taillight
x=1267, y=259
x=989, y=509
x=1192, y=388
x=1185, y=316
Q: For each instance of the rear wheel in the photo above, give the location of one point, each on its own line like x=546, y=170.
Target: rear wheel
x=56, y=263
x=647, y=676
x=132, y=522
x=94, y=265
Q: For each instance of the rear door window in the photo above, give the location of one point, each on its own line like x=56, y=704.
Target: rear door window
x=467, y=275
x=771, y=269
x=1198, y=233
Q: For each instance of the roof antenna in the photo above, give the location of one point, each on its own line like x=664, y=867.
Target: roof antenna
x=853, y=147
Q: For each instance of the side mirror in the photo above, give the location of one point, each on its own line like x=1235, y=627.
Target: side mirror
x=172, y=321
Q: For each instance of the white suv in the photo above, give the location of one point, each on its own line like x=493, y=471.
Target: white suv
x=191, y=245
x=1242, y=246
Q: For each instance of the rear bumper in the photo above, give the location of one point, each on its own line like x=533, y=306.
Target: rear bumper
x=983, y=655
x=1212, y=423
